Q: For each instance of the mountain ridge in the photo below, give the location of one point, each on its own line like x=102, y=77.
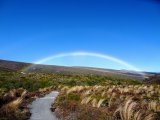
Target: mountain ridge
x=30, y=67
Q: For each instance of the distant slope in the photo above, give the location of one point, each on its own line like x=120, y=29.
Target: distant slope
x=12, y=65
x=18, y=66
x=153, y=78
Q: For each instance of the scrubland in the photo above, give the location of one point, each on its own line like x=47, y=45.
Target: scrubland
x=82, y=97
x=110, y=102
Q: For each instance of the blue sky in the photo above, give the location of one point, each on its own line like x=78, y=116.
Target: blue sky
x=126, y=29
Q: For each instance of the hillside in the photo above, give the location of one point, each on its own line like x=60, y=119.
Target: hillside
x=83, y=90
x=12, y=65
x=20, y=66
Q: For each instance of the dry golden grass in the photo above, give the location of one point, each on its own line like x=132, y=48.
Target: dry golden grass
x=124, y=102
x=14, y=104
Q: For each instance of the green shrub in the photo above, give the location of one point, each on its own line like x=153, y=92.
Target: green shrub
x=73, y=96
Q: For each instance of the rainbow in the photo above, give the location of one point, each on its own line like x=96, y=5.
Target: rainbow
x=98, y=55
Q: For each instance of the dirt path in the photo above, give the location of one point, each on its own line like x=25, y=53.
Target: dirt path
x=40, y=108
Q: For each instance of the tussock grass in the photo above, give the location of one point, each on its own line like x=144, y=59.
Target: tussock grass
x=120, y=102
x=12, y=102
x=90, y=96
